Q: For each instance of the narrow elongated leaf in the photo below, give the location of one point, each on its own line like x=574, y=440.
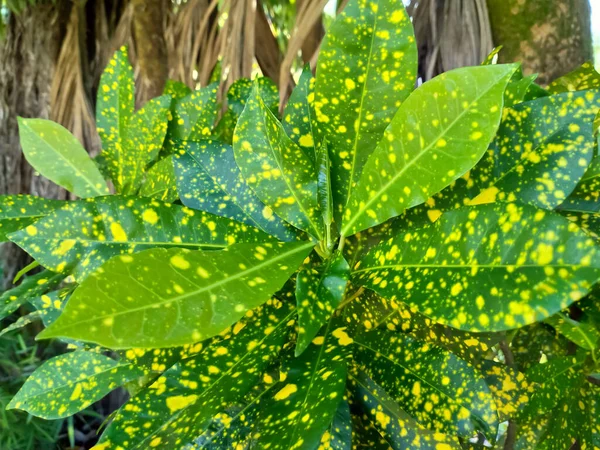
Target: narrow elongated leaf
x=517, y=89
x=160, y=182
x=176, y=89
x=195, y=115
x=241, y=89
x=19, y=211
x=339, y=434
x=280, y=173
x=542, y=150
x=306, y=399
x=164, y=298
x=367, y=67
x=324, y=193
x=439, y=390
x=585, y=335
x=144, y=138
x=298, y=116
x=492, y=57
x=397, y=427
x=581, y=79
x=186, y=397
x=31, y=287
x=319, y=291
x=114, y=108
x=486, y=268
x=372, y=311
x=209, y=179
x=438, y=134
x=79, y=237
x=553, y=380
x=68, y=383
x=55, y=153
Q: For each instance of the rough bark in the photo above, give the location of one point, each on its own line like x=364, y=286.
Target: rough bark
x=150, y=47
x=28, y=56
x=550, y=37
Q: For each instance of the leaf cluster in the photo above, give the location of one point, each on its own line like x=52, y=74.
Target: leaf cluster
x=377, y=267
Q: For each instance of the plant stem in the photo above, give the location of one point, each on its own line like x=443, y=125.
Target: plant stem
x=352, y=297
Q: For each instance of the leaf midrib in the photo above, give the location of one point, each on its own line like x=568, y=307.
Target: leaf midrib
x=195, y=292
x=423, y=152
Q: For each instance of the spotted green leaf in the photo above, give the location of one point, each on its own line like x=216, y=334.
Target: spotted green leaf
x=486, y=268
x=552, y=382
x=280, y=172
x=241, y=90
x=176, y=89
x=517, y=89
x=68, y=383
x=298, y=116
x=114, y=108
x=319, y=291
x=397, y=427
x=305, y=401
x=583, y=334
x=209, y=179
x=367, y=67
x=21, y=322
x=188, y=395
x=30, y=288
x=50, y=305
x=339, y=434
x=175, y=296
x=436, y=388
x=82, y=235
x=535, y=343
x=510, y=388
x=491, y=58
x=19, y=211
x=371, y=311
x=194, y=115
x=160, y=182
x=56, y=154
x=541, y=151
x=581, y=79
x=144, y=138
x=438, y=134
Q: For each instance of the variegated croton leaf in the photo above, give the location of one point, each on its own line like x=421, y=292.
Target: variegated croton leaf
x=369, y=266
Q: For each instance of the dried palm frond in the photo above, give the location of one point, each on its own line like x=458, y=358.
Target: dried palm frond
x=450, y=34
x=192, y=41
x=69, y=100
x=308, y=17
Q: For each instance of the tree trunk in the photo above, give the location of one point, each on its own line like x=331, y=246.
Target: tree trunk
x=550, y=37
x=28, y=56
x=151, y=47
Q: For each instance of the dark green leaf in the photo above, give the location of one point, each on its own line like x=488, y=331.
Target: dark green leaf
x=176, y=89
x=397, y=427
x=298, y=115
x=31, y=287
x=438, y=134
x=241, y=89
x=195, y=115
x=367, y=67
x=307, y=397
x=114, y=108
x=281, y=174
x=581, y=79
x=68, y=383
x=160, y=182
x=209, y=180
x=585, y=335
x=488, y=268
x=439, y=390
x=319, y=291
x=542, y=150
x=19, y=211
x=82, y=235
x=165, y=298
x=55, y=153
x=186, y=397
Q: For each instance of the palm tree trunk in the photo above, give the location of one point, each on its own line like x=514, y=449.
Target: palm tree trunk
x=28, y=56
x=550, y=37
